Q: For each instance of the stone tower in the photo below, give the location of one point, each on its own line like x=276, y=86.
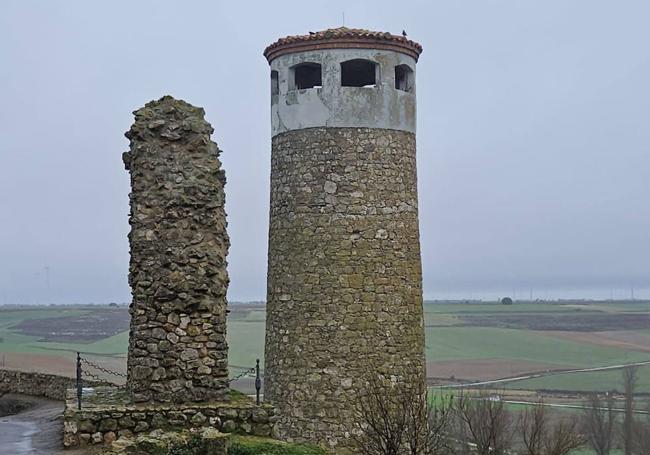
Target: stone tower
x=344, y=269
x=179, y=243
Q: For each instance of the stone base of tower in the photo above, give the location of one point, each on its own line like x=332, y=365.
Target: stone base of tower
x=344, y=276
x=107, y=414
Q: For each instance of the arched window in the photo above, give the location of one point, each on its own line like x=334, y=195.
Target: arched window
x=306, y=75
x=404, y=78
x=275, y=84
x=359, y=73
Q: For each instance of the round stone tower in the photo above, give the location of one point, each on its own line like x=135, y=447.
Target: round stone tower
x=344, y=271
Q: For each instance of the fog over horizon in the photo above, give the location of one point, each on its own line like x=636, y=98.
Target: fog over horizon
x=533, y=137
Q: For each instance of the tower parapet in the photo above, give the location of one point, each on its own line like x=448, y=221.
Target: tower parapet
x=343, y=77
x=344, y=294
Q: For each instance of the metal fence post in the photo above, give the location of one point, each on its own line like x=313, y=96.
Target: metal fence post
x=79, y=381
x=258, y=381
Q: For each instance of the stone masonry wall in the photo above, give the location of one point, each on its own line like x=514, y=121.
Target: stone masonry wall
x=35, y=384
x=344, y=275
x=102, y=423
x=179, y=243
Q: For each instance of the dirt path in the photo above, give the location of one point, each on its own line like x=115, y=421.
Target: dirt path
x=35, y=431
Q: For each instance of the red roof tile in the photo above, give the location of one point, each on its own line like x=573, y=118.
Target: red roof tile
x=343, y=38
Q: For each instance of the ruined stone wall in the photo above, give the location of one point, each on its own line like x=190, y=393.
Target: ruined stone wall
x=178, y=239
x=344, y=275
x=35, y=384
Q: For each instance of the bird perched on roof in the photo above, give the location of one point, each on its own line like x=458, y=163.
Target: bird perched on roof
x=404, y=33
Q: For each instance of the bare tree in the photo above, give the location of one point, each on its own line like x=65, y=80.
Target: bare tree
x=394, y=419
x=641, y=440
x=380, y=423
x=600, y=420
x=630, y=378
x=541, y=437
x=487, y=423
x=533, y=425
x=460, y=440
x=429, y=425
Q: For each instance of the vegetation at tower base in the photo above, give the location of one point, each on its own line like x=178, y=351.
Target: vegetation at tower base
x=179, y=243
x=197, y=442
x=252, y=445
x=396, y=421
x=344, y=276
x=205, y=442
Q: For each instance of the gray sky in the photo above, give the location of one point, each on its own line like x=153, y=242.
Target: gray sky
x=533, y=137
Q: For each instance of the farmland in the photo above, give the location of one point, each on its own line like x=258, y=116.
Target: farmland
x=464, y=341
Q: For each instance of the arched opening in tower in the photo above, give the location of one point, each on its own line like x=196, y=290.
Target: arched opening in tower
x=404, y=78
x=275, y=84
x=306, y=75
x=359, y=73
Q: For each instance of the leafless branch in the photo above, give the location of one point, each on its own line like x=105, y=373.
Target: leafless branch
x=600, y=419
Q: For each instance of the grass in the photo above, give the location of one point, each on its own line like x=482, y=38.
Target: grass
x=245, y=343
x=440, y=319
x=15, y=342
x=250, y=445
x=469, y=308
x=115, y=345
x=598, y=381
x=10, y=318
x=470, y=343
x=585, y=451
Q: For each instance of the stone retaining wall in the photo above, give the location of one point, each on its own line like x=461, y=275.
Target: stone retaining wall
x=104, y=418
x=35, y=384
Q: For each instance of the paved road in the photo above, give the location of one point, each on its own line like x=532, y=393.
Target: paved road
x=570, y=406
x=544, y=374
x=16, y=437
x=36, y=431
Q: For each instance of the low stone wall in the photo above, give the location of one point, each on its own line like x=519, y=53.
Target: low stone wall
x=106, y=416
x=35, y=384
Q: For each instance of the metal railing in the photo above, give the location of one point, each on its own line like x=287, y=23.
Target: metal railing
x=89, y=372
x=250, y=372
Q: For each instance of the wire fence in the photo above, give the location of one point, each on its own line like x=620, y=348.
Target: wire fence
x=92, y=373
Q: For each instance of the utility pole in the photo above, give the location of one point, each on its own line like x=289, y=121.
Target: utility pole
x=47, y=280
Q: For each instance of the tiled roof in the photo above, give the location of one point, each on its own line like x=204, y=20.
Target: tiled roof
x=343, y=37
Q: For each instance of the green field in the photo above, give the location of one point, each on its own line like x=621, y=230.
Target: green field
x=456, y=334
x=17, y=343
x=469, y=343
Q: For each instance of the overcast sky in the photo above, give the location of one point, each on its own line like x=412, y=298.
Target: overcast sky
x=533, y=136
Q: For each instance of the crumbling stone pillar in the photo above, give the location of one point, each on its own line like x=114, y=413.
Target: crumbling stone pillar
x=177, y=345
